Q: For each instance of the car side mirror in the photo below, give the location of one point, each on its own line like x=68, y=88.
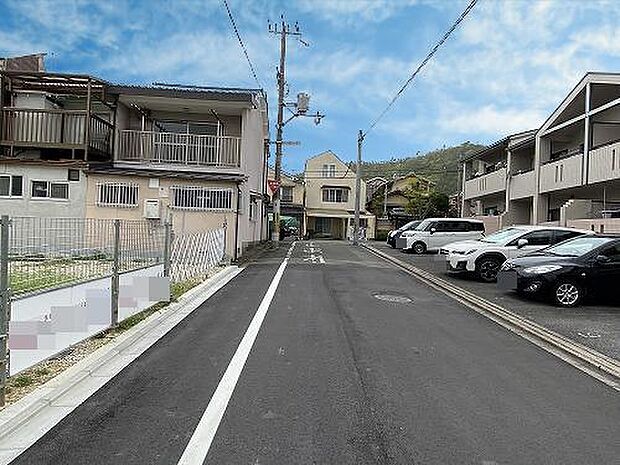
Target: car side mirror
x=433, y=230
x=522, y=243
x=602, y=259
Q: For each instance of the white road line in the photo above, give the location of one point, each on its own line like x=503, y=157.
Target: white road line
x=200, y=442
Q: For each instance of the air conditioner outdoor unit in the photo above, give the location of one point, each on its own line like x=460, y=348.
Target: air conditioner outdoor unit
x=151, y=209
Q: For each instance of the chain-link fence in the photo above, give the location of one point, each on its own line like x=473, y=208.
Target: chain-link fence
x=46, y=253
x=42, y=257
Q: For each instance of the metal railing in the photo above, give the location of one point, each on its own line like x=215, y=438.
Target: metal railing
x=55, y=128
x=172, y=148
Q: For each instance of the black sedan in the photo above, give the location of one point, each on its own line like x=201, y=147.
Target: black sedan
x=395, y=233
x=568, y=271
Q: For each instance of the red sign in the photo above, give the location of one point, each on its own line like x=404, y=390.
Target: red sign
x=273, y=185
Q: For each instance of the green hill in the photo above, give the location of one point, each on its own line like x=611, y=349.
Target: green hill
x=440, y=166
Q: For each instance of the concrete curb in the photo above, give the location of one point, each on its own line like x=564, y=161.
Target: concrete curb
x=25, y=421
x=590, y=361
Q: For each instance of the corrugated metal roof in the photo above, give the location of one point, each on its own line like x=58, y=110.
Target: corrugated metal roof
x=195, y=92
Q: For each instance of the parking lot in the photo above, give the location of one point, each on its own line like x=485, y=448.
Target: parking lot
x=595, y=324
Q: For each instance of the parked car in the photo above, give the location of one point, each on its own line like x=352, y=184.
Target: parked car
x=568, y=271
x=485, y=256
x=393, y=235
x=434, y=233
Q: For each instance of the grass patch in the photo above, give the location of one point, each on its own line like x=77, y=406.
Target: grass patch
x=22, y=381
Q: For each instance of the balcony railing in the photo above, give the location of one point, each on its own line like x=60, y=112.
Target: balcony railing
x=487, y=184
x=523, y=185
x=48, y=128
x=604, y=163
x=561, y=174
x=174, y=149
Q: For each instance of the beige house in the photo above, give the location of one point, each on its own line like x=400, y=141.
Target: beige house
x=78, y=146
x=330, y=198
x=567, y=172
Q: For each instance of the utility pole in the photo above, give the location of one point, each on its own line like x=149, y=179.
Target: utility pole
x=283, y=29
x=358, y=188
x=279, y=129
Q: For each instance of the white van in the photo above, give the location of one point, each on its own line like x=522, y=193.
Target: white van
x=433, y=233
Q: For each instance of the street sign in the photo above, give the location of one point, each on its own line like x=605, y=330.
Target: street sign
x=273, y=185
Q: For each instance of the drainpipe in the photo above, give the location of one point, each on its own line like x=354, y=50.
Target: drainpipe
x=237, y=224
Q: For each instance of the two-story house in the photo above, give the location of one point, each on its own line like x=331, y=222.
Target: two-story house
x=77, y=146
x=330, y=198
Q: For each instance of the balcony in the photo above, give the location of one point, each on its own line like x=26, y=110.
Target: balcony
x=60, y=129
x=164, y=148
x=523, y=185
x=604, y=163
x=561, y=174
x=490, y=183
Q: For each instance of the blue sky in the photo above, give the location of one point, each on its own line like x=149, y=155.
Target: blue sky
x=503, y=70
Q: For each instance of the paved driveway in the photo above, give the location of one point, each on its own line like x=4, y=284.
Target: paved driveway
x=596, y=324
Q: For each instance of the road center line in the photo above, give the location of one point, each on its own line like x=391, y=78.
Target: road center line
x=200, y=442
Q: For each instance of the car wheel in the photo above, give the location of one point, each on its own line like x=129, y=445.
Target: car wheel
x=566, y=294
x=487, y=269
x=419, y=248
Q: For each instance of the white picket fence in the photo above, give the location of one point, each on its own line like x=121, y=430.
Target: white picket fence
x=193, y=255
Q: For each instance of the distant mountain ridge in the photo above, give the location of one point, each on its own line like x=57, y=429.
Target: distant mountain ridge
x=440, y=166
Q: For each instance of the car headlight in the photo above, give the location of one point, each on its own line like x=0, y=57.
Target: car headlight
x=542, y=269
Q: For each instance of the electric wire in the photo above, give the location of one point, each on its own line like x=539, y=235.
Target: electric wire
x=245, y=51
x=430, y=55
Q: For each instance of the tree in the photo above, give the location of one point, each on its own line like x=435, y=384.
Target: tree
x=427, y=204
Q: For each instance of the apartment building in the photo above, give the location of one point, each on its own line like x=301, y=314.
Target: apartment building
x=330, y=198
x=498, y=181
x=567, y=172
x=77, y=146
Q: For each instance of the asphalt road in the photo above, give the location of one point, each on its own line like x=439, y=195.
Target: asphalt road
x=595, y=324
x=355, y=363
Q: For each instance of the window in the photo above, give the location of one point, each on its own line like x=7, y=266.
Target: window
x=475, y=226
x=253, y=210
x=564, y=235
x=543, y=237
x=286, y=194
x=612, y=252
x=336, y=195
x=11, y=186
x=73, y=175
x=201, y=198
x=329, y=171
x=50, y=190
x=117, y=194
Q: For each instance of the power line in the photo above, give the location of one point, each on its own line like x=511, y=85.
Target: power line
x=245, y=51
x=465, y=12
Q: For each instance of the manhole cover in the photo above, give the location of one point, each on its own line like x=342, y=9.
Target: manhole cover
x=398, y=299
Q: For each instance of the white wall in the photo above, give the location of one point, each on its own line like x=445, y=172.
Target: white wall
x=74, y=207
